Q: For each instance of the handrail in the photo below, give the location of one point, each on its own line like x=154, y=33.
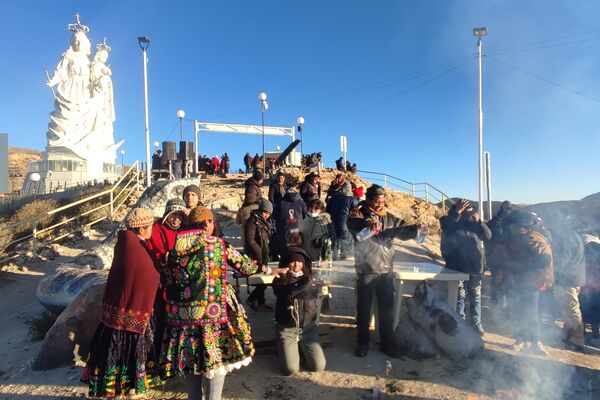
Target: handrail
x=132, y=172
x=427, y=188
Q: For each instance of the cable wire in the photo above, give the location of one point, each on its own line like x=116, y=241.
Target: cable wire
x=553, y=83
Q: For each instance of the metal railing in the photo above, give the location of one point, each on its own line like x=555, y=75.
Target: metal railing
x=116, y=197
x=422, y=190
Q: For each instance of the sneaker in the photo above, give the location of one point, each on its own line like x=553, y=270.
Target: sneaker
x=538, y=349
x=263, y=307
x=362, y=350
x=479, y=329
x=252, y=305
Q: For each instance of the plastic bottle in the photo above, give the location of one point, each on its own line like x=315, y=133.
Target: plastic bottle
x=364, y=234
x=389, y=377
x=421, y=236
x=329, y=254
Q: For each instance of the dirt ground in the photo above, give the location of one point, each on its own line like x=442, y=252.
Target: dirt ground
x=497, y=373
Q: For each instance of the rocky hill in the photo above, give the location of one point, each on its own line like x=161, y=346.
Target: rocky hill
x=17, y=165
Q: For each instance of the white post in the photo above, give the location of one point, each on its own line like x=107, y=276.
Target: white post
x=196, y=146
x=148, y=179
x=343, y=148
x=480, y=149
x=488, y=180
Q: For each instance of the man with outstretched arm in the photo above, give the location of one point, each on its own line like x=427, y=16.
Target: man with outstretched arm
x=374, y=257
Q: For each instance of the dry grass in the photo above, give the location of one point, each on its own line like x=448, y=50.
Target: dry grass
x=94, y=215
x=23, y=216
x=5, y=236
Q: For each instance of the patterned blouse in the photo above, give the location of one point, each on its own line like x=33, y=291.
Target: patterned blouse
x=197, y=279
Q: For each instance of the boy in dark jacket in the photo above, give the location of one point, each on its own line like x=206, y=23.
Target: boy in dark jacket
x=277, y=190
x=374, y=259
x=463, y=234
x=289, y=216
x=296, y=313
x=253, y=185
x=339, y=207
x=257, y=235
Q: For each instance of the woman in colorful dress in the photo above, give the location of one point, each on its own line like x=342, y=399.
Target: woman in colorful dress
x=124, y=339
x=206, y=330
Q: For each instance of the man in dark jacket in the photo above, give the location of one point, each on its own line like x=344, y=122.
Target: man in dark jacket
x=256, y=246
x=288, y=216
x=339, y=207
x=310, y=189
x=463, y=234
x=496, y=253
x=569, y=276
x=374, y=259
x=277, y=190
x=253, y=185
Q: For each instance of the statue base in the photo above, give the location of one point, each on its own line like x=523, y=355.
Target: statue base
x=60, y=169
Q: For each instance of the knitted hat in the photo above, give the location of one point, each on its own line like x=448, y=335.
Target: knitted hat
x=374, y=191
x=139, y=217
x=258, y=175
x=200, y=214
x=193, y=189
x=265, y=205
x=173, y=205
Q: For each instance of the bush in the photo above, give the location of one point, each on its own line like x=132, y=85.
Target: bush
x=5, y=236
x=25, y=213
x=94, y=215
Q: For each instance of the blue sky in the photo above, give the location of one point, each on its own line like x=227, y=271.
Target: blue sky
x=348, y=67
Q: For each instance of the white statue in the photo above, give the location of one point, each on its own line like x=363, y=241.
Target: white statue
x=102, y=94
x=83, y=108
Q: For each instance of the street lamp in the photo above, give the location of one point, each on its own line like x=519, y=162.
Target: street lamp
x=122, y=163
x=181, y=116
x=300, y=122
x=144, y=42
x=264, y=106
x=480, y=32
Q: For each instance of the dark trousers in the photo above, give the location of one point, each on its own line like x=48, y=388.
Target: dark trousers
x=367, y=288
x=523, y=304
x=343, y=245
x=258, y=294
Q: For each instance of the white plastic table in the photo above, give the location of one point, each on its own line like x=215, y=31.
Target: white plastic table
x=343, y=271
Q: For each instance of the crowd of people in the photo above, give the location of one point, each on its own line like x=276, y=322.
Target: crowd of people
x=539, y=269
x=183, y=168
x=168, y=309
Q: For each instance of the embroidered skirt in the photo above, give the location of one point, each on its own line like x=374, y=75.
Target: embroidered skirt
x=210, y=350
x=120, y=362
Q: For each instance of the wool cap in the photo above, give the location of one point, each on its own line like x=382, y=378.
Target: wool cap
x=193, y=189
x=375, y=190
x=200, y=214
x=139, y=217
x=258, y=175
x=265, y=205
x=173, y=205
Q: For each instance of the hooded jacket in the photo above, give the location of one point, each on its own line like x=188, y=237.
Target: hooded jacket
x=375, y=255
x=252, y=189
x=462, y=243
x=256, y=238
x=530, y=262
x=339, y=207
x=297, y=298
x=309, y=191
x=289, y=215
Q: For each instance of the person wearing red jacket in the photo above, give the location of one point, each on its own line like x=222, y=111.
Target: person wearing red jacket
x=163, y=235
x=215, y=164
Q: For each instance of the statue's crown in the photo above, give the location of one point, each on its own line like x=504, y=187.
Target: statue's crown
x=103, y=46
x=78, y=26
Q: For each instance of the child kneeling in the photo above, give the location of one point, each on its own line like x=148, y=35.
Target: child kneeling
x=296, y=312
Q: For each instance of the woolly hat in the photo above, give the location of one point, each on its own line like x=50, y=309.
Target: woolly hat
x=173, y=205
x=375, y=190
x=200, y=214
x=139, y=217
x=265, y=205
x=258, y=175
x=193, y=189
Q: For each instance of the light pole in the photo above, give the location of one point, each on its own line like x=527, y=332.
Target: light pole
x=181, y=116
x=300, y=122
x=264, y=106
x=480, y=32
x=144, y=42
x=122, y=163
